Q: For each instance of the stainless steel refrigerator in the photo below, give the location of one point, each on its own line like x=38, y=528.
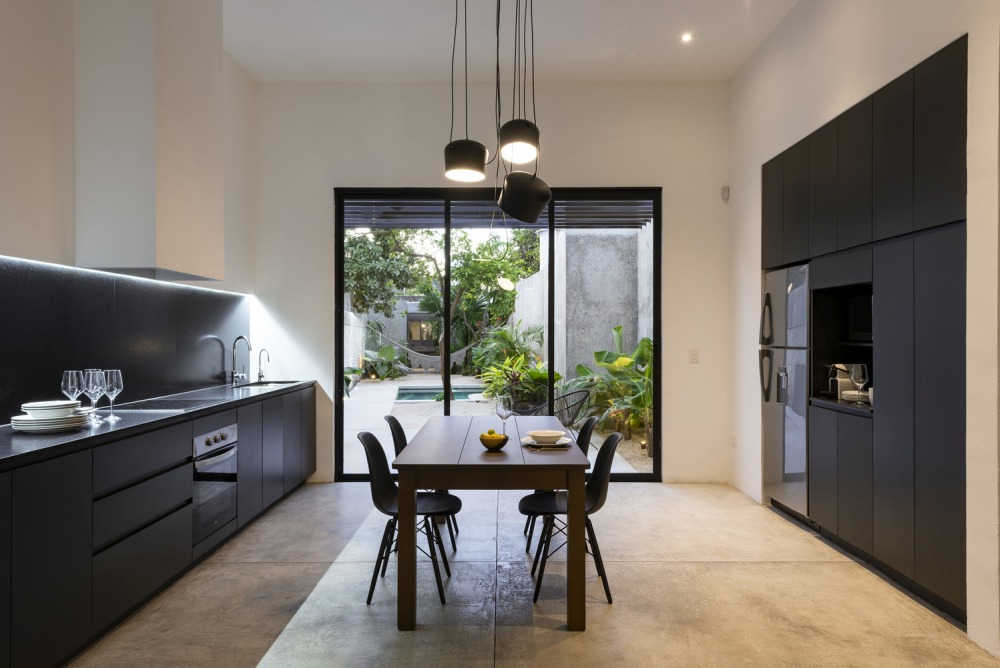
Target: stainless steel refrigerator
x=784, y=386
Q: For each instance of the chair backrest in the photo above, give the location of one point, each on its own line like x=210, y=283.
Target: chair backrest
x=398, y=435
x=586, y=431
x=385, y=494
x=571, y=406
x=597, y=486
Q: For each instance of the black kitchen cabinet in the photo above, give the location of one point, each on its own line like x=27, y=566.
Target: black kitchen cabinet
x=250, y=463
x=823, y=190
x=939, y=263
x=893, y=462
x=939, y=136
x=5, y=518
x=273, y=445
x=772, y=203
x=851, y=267
x=854, y=481
x=292, y=440
x=823, y=468
x=854, y=175
x=795, y=204
x=308, y=431
x=51, y=559
x=892, y=159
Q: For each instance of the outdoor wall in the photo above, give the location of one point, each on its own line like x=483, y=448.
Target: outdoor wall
x=825, y=56
x=314, y=137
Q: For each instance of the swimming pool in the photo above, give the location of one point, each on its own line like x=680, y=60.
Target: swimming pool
x=428, y=393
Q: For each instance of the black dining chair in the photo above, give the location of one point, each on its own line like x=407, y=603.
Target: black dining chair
x=398, y=443
x=385, y=496
x=570, y=407
x=583, y=441
x=551, y=504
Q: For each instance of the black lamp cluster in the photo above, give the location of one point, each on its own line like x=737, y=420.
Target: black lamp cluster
x=523, y=195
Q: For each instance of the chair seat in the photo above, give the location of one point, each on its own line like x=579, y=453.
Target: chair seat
x=543, y=503
x=436, y=503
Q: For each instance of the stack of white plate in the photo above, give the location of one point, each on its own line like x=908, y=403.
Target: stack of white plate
x=50, y=416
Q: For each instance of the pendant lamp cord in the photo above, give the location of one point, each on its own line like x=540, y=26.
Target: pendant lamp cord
x=465, y=45
x=454, y=43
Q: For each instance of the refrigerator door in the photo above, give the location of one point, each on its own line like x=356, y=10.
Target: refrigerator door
x=784, y=427
x=784, y=313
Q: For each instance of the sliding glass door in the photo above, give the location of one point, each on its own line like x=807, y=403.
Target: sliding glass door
x=438, y=295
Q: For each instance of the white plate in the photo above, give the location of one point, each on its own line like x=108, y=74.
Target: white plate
x=47, y=409
x=38, y=422
x=58, y=403
x=38, y=429
x=565, y=440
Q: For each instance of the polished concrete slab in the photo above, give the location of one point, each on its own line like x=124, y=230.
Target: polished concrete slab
x=701, y=576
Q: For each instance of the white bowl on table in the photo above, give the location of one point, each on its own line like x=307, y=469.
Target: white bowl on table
x=50, y=409
x=546, y=436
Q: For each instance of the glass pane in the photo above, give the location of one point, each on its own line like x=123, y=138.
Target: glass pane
x=603, y=333
x=394, y=255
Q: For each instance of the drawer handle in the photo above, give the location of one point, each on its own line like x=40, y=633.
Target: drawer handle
x=214, y=460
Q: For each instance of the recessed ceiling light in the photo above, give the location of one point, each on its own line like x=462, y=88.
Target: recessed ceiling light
x=686, y=37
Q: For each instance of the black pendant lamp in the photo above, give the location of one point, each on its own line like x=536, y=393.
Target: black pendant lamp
x=464, y=159
x=524, y=196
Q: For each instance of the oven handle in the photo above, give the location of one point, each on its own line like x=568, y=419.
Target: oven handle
x=202, y=463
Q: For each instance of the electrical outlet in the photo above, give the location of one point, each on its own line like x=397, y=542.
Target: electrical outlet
x=732, y=440
x=693, y=356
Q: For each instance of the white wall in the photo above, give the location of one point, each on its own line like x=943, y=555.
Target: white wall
x=825, y=56
x=314, y=137
x=36, y=130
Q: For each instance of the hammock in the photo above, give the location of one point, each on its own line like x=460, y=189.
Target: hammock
x=422, y=360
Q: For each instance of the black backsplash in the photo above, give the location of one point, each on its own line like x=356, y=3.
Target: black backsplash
x=165, y=338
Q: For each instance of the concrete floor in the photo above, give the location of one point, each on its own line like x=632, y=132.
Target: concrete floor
x=701, y=576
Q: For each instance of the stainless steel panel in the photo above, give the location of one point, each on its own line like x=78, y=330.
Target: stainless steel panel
x=785, y=308
x=785, y=430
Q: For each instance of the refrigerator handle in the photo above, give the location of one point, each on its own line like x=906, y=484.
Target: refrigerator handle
x=766, y=317
x=765, y=379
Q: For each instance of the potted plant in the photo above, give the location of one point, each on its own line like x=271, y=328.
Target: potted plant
x=524, y=382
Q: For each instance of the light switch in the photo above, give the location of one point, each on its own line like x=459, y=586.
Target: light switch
x=693, y=355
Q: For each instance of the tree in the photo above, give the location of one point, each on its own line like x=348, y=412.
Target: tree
x=381, y=264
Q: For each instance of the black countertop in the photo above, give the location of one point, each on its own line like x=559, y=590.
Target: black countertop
x=865, y=410
x=19, y=449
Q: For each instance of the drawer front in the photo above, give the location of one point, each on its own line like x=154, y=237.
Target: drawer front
x=216, y=421
x=130, y=571
x=129, y=509
x=133, y=459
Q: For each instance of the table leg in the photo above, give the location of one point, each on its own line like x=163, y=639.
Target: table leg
x=576, y=601
x=406, y=597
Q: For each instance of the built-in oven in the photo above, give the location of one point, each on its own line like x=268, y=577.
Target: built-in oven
x=214, y=494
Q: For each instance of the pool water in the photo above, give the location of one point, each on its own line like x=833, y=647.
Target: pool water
x=428, y=393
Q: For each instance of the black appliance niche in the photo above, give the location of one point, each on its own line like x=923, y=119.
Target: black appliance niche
x=842, y=333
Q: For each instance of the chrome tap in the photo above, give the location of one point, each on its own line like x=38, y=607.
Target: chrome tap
x=237, y=377
x=260, y=365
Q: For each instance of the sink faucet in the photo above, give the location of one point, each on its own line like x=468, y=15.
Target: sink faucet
x=260, y=365
x=237, y=377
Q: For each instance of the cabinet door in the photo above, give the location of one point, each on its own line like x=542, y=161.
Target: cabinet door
x=854, y=481
x=823, y=468
x=892, y=321
x=939, y=136
x=50, y=559
x=939, y=407
x=4, y=569
x=772, y=197
x=854, y=175
x=292, y=441
x=892, y=159
x=823, y=190
x=795, y=204
x=250, y=463
x=274, y=456
x=308, y=431
x=849, y=267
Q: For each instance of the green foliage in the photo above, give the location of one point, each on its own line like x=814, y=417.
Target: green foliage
x=384, y=363
x=475, y=270
x=351, y=377
x=526, y=383
x=507, y=341
x=381, y=264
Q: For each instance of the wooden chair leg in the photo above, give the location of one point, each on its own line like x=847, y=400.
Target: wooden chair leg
x=451, y=534
x=391, y=546
x=434, y=561
x=530, y=530
x=595, y=548
x=541, y=543
x=444, y=557
x=544, y=539
x=383, y=554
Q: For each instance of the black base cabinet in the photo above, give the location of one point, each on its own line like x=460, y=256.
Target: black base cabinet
x=308, y=432
x=51, y=560
x=292, y=441
x=5, y=569
x=823, y=468
x=274, y=450
x=250, y=463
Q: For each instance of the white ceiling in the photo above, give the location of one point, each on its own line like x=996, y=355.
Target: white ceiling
x=576, y=40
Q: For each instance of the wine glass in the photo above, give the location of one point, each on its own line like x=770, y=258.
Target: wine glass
x=859, y=376
x=113, y=386
x=72, y=384
x=505, y=408
x=94, y=386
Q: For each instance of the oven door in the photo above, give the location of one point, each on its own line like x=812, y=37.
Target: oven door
x=214, y=496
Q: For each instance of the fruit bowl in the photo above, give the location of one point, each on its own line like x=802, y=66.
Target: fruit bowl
x=546, y=436
x=493, y=442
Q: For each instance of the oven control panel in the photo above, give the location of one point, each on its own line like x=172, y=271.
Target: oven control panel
x=213, y=440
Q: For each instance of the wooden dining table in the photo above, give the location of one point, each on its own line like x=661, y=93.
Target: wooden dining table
x=446, y=454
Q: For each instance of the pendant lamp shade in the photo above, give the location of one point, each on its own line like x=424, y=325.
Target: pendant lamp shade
x=524, y=196
x=519, y=141
x=465, y=160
